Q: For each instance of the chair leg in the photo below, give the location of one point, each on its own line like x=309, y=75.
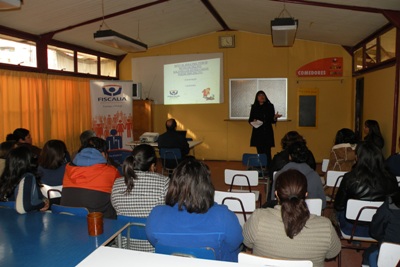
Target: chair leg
x=339, y=259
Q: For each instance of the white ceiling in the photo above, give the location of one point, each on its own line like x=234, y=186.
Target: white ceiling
x=165, y=21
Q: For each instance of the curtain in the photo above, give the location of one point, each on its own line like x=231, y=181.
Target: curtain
x=49, y=106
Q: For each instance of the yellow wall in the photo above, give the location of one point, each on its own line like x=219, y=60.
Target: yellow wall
x=254, y=57
x=378, y=102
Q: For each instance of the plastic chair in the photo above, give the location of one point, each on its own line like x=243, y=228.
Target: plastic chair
x=191, y=252
x=170, y=158
x=255, y=162
x=325, y=163
x=7, y=204
x=357, y=211
x=314, y=206
x=389, y=254
x=242, y=204
x=398, y=180
x=249, y=259
x=136, y=229
x=75, y=211
x=243, y=178
x=51, y=191
x=333, y=179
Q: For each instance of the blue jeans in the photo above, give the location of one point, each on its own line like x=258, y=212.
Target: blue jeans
x=346, y=226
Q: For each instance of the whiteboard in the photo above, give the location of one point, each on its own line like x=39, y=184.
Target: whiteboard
x=242, y=93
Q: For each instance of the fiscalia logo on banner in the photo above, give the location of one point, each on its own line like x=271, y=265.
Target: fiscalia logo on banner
x=112, y=112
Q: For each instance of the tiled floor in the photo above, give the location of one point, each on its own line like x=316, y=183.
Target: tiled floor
x=350, y=258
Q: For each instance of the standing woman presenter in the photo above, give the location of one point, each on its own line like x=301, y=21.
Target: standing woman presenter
x=262, y=116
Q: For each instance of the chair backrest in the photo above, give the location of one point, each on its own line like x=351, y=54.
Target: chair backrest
x=314, y=205
x=325, y=163
x=239, y=202
x=389, y=254
x=333, y=178
x=77, y=211
x=137, y=227
x=51, y=191
x=241, y=178
x=170, y=153
x=7, y=204
x=361, y=210
x=253, y=260
x=192, y=252
x=398, y=180
x=255, y=161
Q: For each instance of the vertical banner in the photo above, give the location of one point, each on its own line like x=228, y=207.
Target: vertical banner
x=112, y=112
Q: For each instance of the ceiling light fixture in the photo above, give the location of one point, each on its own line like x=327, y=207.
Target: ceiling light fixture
x=284, y=29
x=117, y=40
x=10, y=4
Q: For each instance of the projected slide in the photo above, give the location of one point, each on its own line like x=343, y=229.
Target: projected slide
x=192, y=82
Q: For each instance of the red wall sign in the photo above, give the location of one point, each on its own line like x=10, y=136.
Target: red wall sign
x=326, y=67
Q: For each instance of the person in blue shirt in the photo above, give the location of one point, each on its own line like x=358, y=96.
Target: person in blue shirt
x=191, y=218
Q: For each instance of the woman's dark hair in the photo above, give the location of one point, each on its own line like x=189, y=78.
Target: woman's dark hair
x=143, y=156
x=291, y=189
x=18, y=163
x=20, y=133
x=370, y=167
x=191, y=187
x=299, y=152
x=290, y=138
x=6, y=147
x=97, y=143
x=86, y=135
x=53, y=154
x=256, y=103
x=374, y=133
x=344, y=136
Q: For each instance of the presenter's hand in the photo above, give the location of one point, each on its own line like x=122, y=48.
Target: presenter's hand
x=277, y=115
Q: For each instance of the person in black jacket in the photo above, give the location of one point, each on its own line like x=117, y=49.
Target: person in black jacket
x=368, y=180
x=262, y=116
x=373, y=133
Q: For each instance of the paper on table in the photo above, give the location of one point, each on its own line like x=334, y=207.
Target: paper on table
x=256, y=123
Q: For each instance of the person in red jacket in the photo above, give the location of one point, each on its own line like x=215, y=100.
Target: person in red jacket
x=89, y=179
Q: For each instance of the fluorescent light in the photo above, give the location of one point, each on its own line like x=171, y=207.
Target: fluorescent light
x=119, y=41
x=10, y=4
x=283, y=31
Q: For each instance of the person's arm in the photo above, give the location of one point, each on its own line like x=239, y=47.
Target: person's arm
x=250, y=230
x=379, y=222
x=341, y=195
x=335, y=245
x=151, y=223
x=234, y=237
x=29, y=198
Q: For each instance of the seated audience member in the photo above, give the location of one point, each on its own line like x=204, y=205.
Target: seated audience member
x=289, y=231
x=282, y=158
x=172, y=139
x=5, y=148
x=52, y=162
x=393, y=163
x=19, y=183
x=23, y=138
x=84, y=137
x=298, y=155
x=368, y=180
x=343, y=154
x=373, y=133
x=140, y=189
x=89, y=179
x=385, y=227
x=190, y=217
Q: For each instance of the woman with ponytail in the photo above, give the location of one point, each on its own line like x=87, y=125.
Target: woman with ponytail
x=289, y=231
x=140, y=189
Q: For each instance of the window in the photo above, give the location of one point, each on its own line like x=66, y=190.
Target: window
x=60, y=58
x=87, y=63
x=388, y=45
x=17, y=52
x=108, y=67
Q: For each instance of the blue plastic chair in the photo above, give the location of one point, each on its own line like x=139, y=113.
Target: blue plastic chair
x=75, y=211
x=255, y=162
x=170, y=158
x=7, y=204
x=191, y=252
x=135, y=230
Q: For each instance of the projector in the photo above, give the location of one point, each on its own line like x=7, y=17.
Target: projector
x=149, y=137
